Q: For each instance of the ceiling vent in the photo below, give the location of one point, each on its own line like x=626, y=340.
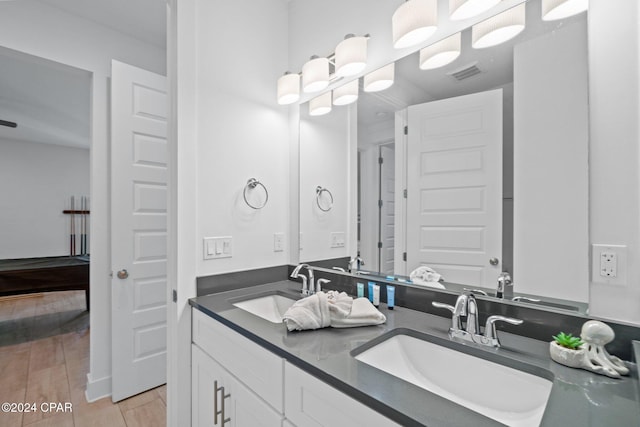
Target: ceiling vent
x=465, y=72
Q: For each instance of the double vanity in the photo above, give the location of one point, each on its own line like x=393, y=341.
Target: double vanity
x=248, y=368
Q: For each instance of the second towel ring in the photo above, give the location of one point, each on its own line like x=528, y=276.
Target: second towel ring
x=319, y=191
x=251, y=184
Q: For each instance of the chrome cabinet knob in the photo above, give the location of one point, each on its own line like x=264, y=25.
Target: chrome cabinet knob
x=123, y=274
x=494, y=261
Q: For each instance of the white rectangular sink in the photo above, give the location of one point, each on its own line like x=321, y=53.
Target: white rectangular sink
x=507, y=395
x=269, y=307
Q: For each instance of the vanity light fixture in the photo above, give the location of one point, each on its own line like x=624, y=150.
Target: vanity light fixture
x=414, y=22
x=464, y=9
x=351, y=55
x=441, y=53
x=346, y=94
x=379, y=79
x=288, y=88
x=498, y=29
x=559, y=9
x=320, y=105
x=315, y=74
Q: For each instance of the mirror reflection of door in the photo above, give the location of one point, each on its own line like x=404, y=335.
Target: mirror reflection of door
x=454, y=187
x=376, y=178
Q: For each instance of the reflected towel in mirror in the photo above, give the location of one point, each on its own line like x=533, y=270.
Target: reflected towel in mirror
x=426, y=276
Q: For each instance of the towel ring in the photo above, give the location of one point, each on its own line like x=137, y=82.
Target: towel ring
x=251, y=184
x=319, y=191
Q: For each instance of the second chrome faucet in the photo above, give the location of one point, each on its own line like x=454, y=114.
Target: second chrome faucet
x=464, y=321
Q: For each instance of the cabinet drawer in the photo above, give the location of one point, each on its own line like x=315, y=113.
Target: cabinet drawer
x=311, y=402
x=259, y=369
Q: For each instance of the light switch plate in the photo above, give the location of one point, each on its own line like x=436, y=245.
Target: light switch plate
x=217, y=247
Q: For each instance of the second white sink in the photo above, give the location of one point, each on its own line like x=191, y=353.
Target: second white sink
x=269, y=307
x=507, y=395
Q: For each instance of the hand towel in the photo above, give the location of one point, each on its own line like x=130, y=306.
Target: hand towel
x=333, y=308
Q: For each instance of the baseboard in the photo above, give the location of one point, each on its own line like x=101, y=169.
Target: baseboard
x=97, y=389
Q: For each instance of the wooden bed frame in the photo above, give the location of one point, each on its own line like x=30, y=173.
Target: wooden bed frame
x=31, y=275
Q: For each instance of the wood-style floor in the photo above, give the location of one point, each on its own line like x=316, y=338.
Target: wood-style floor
x=51, y=365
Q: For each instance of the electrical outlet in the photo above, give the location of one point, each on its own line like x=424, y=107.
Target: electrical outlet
x=278, y=242
x=609, y=264
x=337, y=240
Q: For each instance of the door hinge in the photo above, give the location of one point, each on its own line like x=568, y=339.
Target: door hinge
x=380, y=203
x=174, y=295
x=404, y=193
x=380, y=160
x=379, y=245
x=404, y=256
x=406, y=130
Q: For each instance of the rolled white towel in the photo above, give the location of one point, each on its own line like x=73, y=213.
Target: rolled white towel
x=311, y=312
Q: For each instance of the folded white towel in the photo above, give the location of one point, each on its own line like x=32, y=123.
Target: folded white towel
x=333, y=308
x=362, y=313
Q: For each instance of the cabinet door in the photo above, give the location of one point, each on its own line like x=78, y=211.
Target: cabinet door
x=311, y=402
x=237, y=406
x=204, y=375
x=259, y=369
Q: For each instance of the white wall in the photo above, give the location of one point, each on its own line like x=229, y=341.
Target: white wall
x=45, y=31
x=551, y=165
x=614, y=151
x=36, y=183
x=241, y=131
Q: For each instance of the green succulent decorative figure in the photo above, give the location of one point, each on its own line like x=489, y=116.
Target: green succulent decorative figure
x=568, y=341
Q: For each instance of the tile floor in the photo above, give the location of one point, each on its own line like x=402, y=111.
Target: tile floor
x=44, y=357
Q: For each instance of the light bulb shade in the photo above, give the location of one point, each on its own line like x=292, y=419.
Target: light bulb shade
x=559, y=9
x=320, y=105
x=315, y=75
x=414, y=22
x=346, y=94
x=498, y=29
x=380, y=79
x=351, y=56
x=288, y=89
x=464, y=9
x=441, y=53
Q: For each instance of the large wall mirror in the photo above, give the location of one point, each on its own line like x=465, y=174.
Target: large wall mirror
x=473, y=169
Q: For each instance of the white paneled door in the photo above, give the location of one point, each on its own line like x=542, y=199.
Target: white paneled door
x=454, y=187
x=139, y=229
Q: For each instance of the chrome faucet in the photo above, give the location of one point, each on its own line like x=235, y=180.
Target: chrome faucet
x=306, y=290
x=505, y=285
x=467, y=307
x=357, y=261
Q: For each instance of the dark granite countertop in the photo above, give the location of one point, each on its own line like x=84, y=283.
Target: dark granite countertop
x=578, y=397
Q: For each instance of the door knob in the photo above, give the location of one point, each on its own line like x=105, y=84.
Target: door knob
x=494, y=261
x=123, y=274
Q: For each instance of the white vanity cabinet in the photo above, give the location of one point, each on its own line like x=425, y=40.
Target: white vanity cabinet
x=261, y=388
